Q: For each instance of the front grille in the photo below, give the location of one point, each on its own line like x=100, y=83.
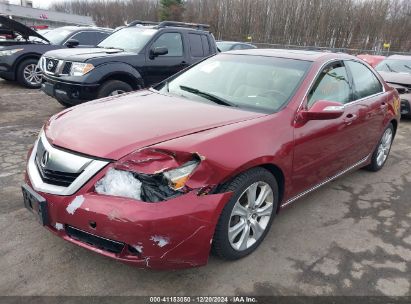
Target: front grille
x=51, y=65
x=55, y=177
x=94, y=240
x=67, y=68
x=405, y=107
x=49, y=176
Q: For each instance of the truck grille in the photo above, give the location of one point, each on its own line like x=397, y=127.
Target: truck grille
x=51, y=65
x=66, y=68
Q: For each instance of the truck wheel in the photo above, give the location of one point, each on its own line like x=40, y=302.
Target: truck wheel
x=113, y=87
x=28, y=74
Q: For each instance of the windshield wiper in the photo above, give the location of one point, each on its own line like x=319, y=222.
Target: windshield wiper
x=390, y=68
x=209, y=96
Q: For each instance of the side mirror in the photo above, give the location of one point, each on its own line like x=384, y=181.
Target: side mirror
x=322, y=110
x=158, y=51
x=72, y=43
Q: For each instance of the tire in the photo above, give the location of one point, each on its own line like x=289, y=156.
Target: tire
x=110, y=87
x=384, y=147
x=28, y=75
x=236, y=248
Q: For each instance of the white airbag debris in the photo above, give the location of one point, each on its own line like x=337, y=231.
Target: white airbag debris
x=119, y=183
x=75, y=204
x=161, y=241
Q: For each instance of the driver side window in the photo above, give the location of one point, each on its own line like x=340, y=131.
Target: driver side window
x=172, y=41
x=332, y=85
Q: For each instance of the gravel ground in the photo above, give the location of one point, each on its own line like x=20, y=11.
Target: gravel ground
x=351, y=237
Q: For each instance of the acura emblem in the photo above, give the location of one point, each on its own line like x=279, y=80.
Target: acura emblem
x=44, y=159
x=50, y=65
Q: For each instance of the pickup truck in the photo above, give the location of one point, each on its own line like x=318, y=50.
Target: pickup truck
x=134, y=57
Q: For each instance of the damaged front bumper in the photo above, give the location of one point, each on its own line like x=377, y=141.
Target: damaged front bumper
x=165, y=235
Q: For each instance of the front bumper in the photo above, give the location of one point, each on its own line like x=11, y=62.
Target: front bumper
x=167, y=235
x=6, y=72
x=68, y=92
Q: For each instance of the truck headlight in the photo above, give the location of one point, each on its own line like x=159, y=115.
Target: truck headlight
x=80, y=69
x=9, y=52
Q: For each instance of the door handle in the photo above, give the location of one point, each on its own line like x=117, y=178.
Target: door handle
x=350, y=118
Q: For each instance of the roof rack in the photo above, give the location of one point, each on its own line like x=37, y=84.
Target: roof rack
x=184, y=24
x=140, y=22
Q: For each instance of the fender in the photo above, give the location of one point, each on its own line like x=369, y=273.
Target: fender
x=108, y=70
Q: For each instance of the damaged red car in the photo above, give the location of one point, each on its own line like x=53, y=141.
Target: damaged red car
x=205, y=160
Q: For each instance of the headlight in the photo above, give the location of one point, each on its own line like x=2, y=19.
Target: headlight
x=9, y=52
x=80, y=69
x=178, y=177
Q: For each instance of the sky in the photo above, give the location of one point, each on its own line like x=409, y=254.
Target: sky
x=38, y=3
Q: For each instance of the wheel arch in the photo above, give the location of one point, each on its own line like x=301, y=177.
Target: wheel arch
x=20, y=59
x=394, y=123
x=134, y=82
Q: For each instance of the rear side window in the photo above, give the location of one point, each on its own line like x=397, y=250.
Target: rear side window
x=206, y=45
x=99, y=36
x=364, y=81
x=199, y=45
x=85, y=38
x=332, y=84
x=173, y=42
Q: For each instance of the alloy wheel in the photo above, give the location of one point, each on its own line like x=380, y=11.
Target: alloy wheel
x=384, y=147
x=250, y=216
x=32, y=74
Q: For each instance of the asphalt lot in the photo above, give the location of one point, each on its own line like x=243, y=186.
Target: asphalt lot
x=351, y=237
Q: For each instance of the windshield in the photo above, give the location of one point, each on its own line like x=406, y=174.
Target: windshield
x=129, y=39
x=262, y=84
x=224, y=46
x=394, y=65
x=57, y=36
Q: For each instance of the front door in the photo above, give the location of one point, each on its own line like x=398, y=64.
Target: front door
x=161, y=67
x=323, y=148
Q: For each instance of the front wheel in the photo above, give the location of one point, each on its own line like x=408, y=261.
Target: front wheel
x=113, y=88
x=247, y=217
x=380, y=155
x=28, y=74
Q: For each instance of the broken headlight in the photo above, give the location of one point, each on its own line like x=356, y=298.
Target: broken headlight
x=146, y=187
x=178, y=177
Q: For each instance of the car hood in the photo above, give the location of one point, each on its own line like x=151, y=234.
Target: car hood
x=112, y=128
x=17, y=27
x=87, y=54
x=397, y=78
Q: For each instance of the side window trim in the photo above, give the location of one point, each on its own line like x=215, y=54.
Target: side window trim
x=353, y=85
x=318, y=75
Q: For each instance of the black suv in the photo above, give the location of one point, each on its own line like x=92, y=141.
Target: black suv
x=134, y=57
x=20, y=52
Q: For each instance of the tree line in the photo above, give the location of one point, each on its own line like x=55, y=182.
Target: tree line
x=350, y=24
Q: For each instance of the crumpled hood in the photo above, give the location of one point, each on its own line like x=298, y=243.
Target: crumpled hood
x=398, y=78
x=87, y=54
x=114, y=127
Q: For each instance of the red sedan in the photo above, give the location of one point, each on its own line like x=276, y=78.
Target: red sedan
x=205, y=160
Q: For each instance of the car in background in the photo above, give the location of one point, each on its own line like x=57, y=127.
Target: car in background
x=396, y=71
x=137, y=56
x=20, y=53
x=207, y=158
x=225, y=46
x=372, y=60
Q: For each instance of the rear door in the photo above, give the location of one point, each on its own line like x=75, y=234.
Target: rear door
x=324, y=148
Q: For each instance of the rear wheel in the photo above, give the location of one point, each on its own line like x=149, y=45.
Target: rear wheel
x=247, y=217
x=113, y=88
x=28, y=74
x=380, y=155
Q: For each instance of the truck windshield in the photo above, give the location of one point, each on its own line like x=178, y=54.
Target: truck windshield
x=257, y=83
x=129, y=39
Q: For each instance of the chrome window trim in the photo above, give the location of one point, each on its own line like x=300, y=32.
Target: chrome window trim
x=349, y=103
x=293, y=199
x=91, y=167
